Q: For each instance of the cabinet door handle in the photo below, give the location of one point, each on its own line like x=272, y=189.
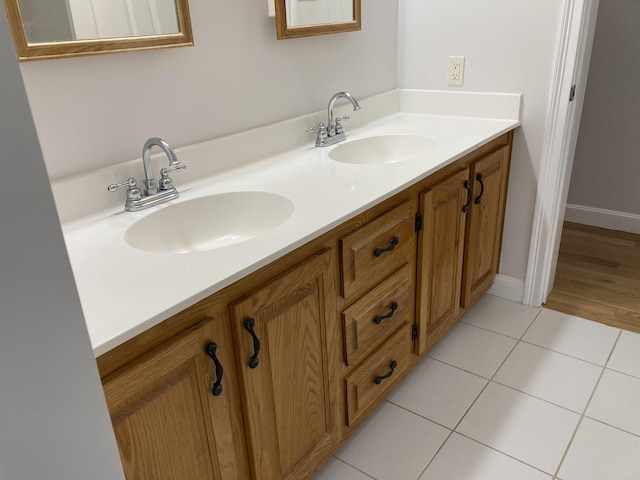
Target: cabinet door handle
x=379, y=318
x=479, y=178
x=392, y=367
x=249, y=323
x=392, y=244
x=216, y=388
x=467, y=187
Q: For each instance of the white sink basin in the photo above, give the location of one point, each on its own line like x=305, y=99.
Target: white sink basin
x=208, y=223
x=382, y=149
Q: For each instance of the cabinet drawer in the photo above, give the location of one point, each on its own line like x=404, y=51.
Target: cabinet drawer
x=377, y=249
x=374, y=379
x=370, y=320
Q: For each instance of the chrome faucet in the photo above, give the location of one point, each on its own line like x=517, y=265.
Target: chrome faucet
x=333, y=132
x=149, y=182
x=152, y=194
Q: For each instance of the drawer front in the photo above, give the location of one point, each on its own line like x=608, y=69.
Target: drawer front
x=369, y=321
x=377, y=249
x=374, y=379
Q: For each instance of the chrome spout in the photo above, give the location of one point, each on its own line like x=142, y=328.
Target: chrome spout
x=152, y=194
x=348, y=96
x=149, y=181
x=333, y=132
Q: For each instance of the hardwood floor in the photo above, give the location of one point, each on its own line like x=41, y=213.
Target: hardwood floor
x=598, y=276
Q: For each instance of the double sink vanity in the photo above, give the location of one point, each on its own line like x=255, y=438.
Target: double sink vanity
x=247, y=328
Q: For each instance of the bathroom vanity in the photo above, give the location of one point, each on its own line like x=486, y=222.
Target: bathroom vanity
x=325, y=358
x=281, y=346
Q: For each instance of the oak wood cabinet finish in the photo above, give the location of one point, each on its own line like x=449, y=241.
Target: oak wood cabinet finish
x=376, y=249
x=459, y=247
x=489, y=176
x=321, y=349
x=167, y=423
x=440, y=257
x=374, y=378
x=378, y=308
x=288, y=397
x=372, y=318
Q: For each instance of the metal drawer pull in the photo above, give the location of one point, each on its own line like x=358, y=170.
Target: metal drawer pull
x=216, y=388
x=392, y=366
x=467, y=187
x=249, y=323
x=379, y=251
x=479, y=178
x=379, y=318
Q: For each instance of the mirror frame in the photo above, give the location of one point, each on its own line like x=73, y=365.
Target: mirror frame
x=74, y=48
x=284, y=31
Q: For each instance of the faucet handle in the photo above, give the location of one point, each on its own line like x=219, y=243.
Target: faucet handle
x=320, y=128
x=323, y=133
x=165, y=181
x=131, y=182
x=133, y=192
x=178, y=167
x=339, y=121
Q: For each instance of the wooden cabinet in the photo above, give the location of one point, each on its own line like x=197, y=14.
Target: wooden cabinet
x=489, y=177
x=444, y=211
x=312, y=342
x=167, y=422
x=459, y=252
x=285, y=335
x=378, y=291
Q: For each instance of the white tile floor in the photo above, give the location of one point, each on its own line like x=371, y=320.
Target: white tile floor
x=510, y=393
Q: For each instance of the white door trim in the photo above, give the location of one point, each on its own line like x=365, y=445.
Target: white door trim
x=563, y=121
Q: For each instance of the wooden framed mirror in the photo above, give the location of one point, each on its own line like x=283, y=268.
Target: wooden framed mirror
x=304, y=18
x=66, y=28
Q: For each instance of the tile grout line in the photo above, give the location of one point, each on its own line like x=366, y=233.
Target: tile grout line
x=491, y=380
x=562, y=353
x=503, y=334
x=477, y=397
x=517, y=339
x=623, y=373
x=434, y=455
x=467, y=410
x=503, y=453
x=586, y=407
x=355, y=468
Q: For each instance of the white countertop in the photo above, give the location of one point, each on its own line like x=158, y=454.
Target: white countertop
x=125, y=291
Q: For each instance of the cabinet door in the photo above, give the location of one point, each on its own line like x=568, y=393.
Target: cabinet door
x=484, y=227
x=440, y=257
x=167, y=422
x=286, y=342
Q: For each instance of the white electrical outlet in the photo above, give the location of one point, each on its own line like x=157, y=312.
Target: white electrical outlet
x=456, y=71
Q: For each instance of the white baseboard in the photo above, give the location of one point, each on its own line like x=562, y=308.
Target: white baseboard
x=599, y=217
x=508, y=287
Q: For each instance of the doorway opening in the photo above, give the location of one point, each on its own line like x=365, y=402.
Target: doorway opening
x=597, y=275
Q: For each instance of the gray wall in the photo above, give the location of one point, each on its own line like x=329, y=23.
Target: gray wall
x=510, y=46
x=53, y=418
x=606, y=170
x=92, y=112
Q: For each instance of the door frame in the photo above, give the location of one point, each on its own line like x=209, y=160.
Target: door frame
x=563, y=123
